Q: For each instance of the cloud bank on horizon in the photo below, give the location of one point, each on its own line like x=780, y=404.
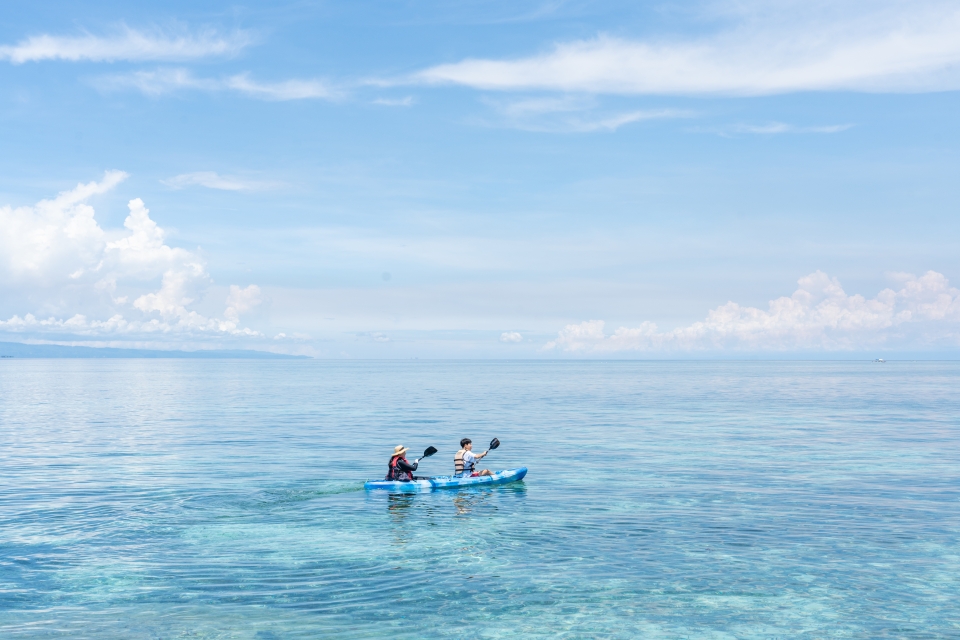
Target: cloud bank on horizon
x=819, y=316
x=56, y=255
x=90, y=283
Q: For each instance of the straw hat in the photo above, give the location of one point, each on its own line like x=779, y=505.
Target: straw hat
x=400, y=450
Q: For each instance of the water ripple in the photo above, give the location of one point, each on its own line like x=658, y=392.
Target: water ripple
x=224, y=500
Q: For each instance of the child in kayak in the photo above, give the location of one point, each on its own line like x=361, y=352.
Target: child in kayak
x=465, y=460
x=399, y=469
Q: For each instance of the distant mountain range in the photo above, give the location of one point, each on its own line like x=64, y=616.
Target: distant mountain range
x=18, y=350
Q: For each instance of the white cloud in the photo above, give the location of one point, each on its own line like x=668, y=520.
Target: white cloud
x=773, y=128
x=213, y=180
x=58, y=235
x=125, y=44
x=614, y=122
x=285, y=90
x=772, y=48
x=779, y=127
x=819, y=315
x=241, y=300
x=395, y=102
x=527, y=107
x=166, y=80
x=68, y=265
x=572, y=114
x=511, y=336
x=156, y=82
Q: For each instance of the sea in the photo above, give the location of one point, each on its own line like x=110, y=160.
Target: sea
x=224, y=499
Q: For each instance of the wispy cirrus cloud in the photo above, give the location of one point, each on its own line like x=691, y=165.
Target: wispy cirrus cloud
x=773, y=128
x=617, y=120
x=573, y=114
x=781, y=127
x=786, y=47
x=155, y=82
x=213, y=180
x=406, y=101
x=283, y=90
x=126, y=44
x=167, y=80
x=820, y=315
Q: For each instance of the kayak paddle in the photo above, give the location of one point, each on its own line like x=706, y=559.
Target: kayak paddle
x=429, y=452
x=493, y=444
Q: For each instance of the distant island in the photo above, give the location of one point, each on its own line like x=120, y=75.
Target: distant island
x=20, y=350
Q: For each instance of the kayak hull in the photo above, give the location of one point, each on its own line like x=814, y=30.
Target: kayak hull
x=404, y=487
x=447, y=482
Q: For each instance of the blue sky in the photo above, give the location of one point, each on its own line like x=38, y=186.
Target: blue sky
x=482, y=179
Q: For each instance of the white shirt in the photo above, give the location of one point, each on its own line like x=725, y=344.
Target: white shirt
x=469, y=460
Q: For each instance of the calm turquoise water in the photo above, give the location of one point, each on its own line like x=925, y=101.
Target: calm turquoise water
x=223, y=499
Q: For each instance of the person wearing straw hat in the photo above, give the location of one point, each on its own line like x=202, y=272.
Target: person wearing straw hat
x=400, y=470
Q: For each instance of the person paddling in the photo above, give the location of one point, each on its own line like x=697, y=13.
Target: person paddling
x=465, y=460
x=400, y=470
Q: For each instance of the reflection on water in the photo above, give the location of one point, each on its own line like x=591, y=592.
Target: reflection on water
x=470, y=499
x=224, y=499
x=398, y=505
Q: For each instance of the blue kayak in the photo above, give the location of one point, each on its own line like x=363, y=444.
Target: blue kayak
x=447, y=482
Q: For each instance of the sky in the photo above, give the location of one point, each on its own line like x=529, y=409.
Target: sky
x=481, y=179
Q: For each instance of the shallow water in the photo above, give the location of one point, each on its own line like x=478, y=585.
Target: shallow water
x=168, y=499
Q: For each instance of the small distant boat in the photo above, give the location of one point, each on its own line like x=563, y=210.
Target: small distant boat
x=879, y=360
x=447, y=482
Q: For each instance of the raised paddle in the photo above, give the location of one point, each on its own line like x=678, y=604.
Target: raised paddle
x=493, y=444
x=429, y=452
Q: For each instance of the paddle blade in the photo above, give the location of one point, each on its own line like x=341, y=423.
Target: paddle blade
x=494, y=444
x=429, y=452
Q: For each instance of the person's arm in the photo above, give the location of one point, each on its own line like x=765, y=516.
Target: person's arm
x=406, y=466
x=483, y=454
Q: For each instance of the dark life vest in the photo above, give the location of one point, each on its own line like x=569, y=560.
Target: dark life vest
x=396, y=473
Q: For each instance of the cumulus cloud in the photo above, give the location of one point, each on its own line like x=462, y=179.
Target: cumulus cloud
x=125, y=44
x=166, y=80
x=58, y=254
x=213, y=180
x=820, y=315
x=240, y=301
x=511, y=336
x=768, y=48
x=58, y=235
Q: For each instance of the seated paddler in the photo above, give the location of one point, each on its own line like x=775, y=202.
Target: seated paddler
x=465, y=461
x=400, y=470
